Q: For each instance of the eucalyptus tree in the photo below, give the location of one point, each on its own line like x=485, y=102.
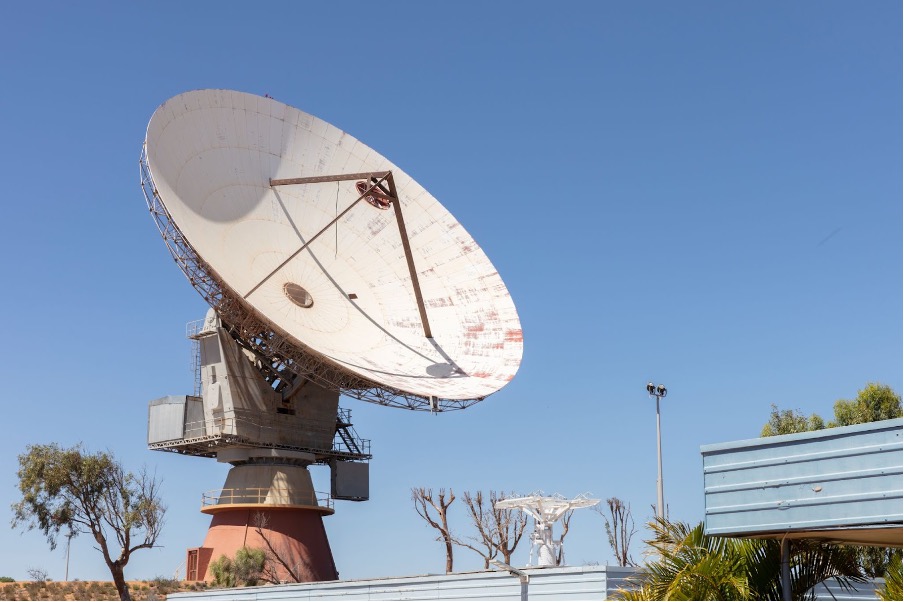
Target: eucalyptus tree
x=73, y=491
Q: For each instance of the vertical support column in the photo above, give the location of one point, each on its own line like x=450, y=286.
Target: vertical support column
x=660, y=498
x=786, y=568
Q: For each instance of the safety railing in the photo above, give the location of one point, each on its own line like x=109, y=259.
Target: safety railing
x=252, y=425
x=266, y=496
x=193, y=328
x=266, y=430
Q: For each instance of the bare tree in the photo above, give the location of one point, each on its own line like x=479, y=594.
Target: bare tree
x=479, y=517
x=509, y=525
x=424, y=497
x=620, y=531
x=560, y=552
x=499, y=530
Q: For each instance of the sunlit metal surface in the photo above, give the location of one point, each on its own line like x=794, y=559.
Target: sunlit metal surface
x=208, y=161
x=842, y=484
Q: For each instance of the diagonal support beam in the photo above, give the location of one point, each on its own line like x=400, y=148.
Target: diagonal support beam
x=382, y=176
x=376, y=180
x=409, y=258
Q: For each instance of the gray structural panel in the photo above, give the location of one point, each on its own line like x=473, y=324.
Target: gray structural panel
x=560, y=583
x=840, y=484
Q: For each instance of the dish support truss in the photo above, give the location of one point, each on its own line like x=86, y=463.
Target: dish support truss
x=289, y=358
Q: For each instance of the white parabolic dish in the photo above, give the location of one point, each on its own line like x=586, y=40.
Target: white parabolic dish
x=347, y=298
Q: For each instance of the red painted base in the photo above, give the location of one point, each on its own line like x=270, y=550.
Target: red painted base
x=296, y=537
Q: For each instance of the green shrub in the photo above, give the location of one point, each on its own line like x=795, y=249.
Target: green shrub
x=243, y=570
x=7, y=580
x=223, y=574
x=249, y=564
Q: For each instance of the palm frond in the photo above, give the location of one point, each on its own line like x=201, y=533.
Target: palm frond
x=685, y=564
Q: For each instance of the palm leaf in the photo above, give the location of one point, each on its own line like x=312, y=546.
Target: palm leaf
x=686, y=564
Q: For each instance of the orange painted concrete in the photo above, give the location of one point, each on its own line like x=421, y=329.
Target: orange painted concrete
x=297, y=536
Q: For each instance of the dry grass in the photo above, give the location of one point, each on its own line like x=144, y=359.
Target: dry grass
x=155, y=589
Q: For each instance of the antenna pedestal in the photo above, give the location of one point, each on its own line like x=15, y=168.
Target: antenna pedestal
x=541, y=539
x=253, y=415
x=268, y=502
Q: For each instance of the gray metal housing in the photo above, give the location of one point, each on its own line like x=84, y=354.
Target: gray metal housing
x=175, y=417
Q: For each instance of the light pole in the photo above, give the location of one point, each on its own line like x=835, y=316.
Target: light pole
x=658, y=391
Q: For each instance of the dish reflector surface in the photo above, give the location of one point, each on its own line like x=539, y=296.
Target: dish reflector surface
x=347, y=299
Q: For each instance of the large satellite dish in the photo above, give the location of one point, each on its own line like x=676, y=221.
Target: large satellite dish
x=323, y=258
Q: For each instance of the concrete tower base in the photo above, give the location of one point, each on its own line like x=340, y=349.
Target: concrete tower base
x=295, y=542
x=268, y=502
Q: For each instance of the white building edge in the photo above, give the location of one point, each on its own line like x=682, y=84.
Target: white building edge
x=553, y=583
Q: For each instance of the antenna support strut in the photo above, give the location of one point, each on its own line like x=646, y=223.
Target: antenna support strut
x=375, y=179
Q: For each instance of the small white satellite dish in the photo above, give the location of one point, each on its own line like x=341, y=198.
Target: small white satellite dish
x=546, y=510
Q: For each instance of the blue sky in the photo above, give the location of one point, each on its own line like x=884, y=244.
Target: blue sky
x=704, y=194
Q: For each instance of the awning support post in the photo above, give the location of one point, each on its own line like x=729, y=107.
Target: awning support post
x=786, y=568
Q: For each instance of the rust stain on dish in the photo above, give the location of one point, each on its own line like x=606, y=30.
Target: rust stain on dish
x=474, y=332
x=514, y=335
x=441, y=302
